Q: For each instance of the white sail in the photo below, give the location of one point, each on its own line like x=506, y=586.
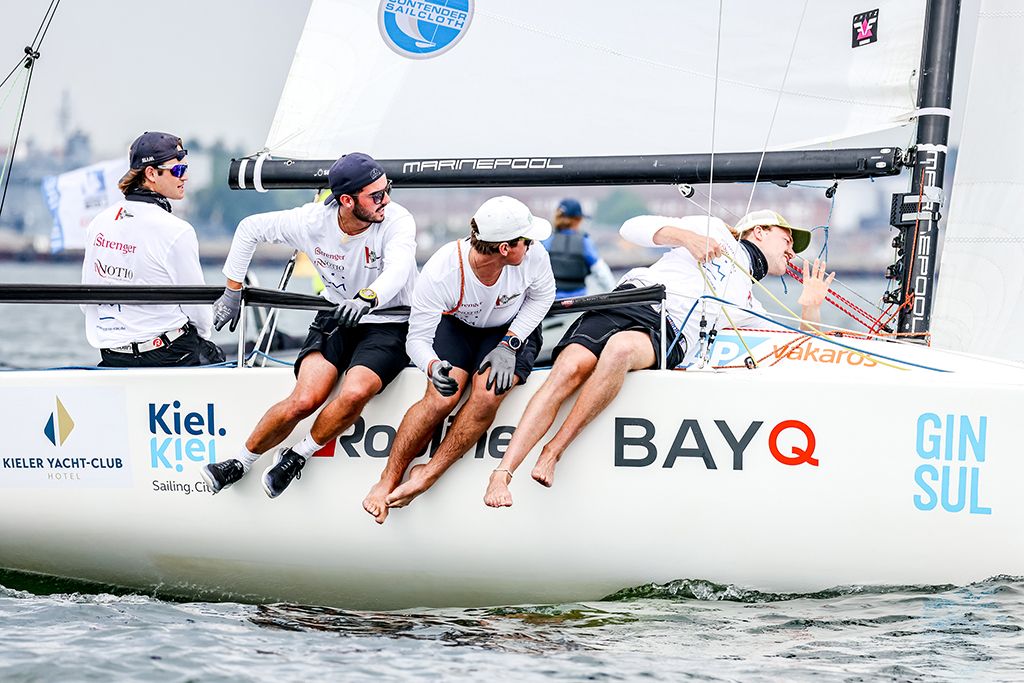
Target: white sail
x=979, y=307
x=578, y=78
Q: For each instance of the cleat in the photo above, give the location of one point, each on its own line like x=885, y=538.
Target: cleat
x=220, y=475
x=287, y=466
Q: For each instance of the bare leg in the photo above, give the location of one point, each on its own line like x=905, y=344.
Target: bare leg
x=316, y=379
x=413, y=435
x=471, y=422
x=357, y=388
x=572, y=367
x=625, y=352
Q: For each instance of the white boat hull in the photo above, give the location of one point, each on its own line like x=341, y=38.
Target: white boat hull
x=637, y=498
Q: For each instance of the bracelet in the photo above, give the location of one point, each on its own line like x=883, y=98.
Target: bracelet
x=506, y=471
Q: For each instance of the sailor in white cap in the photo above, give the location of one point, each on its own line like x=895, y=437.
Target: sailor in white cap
x=601, y=347
x=474, y=326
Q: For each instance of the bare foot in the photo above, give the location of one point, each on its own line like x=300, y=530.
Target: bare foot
x=544, y=471
x=376, y=501
x=498, y=495
x=417, y=483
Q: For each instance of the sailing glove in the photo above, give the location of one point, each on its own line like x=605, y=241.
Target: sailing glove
x=226, y=308
x=350, y=312
x=502, y=362
x=445, y=385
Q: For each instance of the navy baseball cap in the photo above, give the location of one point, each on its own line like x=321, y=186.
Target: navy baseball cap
x=150, y=149
x=352, y=173
x=571, y=208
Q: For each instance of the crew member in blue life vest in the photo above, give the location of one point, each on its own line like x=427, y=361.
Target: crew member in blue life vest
x=573, y=254
x=138, y=241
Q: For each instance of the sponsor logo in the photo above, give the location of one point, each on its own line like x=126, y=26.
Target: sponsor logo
x=183, y=487
x=119, y=273
x=375, y=441
x=635, y=447
x=60, y=425
x=180, y=437
x=123, y=213
x=865, y=28
x=146, y=160
x=420, y=29
x=123, y=247
x=953, y=448
x=333, y=257
x=506, y=298
x=371, y=256
x=478, y=164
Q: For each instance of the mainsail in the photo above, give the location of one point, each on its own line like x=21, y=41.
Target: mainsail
x=979, y=307
x=418, y=79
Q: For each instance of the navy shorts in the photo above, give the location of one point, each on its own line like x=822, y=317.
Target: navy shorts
x=379, y=347
x=594, y=329
x=465, y=346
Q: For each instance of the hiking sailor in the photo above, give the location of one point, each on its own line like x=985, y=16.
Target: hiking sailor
x=475, y=317
x=601, y=347
x=364, y=247
x=137, y=241
x=573, y=254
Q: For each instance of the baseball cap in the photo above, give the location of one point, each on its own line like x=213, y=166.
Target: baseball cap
x=502, y=219
x=351, y=173
x=150, y=149
x=571, y=208
x=801, y=236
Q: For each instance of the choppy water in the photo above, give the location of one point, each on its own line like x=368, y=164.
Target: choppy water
x=685, y=630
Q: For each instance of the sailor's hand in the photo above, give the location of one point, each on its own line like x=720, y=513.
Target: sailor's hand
x=703, y=248
x=816, y=283
x=350, y=312
x=502, y=362
x=226, y=308
x=445, y=385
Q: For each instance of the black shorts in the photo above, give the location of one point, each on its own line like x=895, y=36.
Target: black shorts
x=465, y=346
x=594, y=329
x=379, y=347
x=188, y=350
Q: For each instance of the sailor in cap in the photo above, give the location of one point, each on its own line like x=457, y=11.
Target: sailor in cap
x=601, y=347
x=474, y=326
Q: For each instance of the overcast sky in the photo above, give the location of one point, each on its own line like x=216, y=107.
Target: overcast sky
x=197, y=68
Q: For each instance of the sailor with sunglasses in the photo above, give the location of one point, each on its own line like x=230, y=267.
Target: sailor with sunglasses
x=474, y=326
x=138, y=241
x=364, y=247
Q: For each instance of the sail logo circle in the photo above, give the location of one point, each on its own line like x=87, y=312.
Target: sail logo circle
x=421, y=29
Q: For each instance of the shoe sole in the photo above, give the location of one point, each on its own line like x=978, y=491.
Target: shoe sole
x=263, y=479
x=208, y=478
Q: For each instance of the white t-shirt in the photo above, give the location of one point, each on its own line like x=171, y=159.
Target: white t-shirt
x=138, y=243
x=520, y=298
x=678, y=271
x=381, y=258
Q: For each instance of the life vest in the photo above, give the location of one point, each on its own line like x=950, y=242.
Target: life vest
x=568, y=262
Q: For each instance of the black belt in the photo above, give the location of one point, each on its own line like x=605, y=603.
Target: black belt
x=164, y=340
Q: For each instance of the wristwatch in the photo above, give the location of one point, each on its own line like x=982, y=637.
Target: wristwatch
x=367, y=295
x=512, y=341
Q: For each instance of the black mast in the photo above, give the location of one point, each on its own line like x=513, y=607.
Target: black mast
x=919, y=220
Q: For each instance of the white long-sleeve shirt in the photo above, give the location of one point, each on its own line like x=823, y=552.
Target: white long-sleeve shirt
x=520, y=298
x=681, y=275
x=381, y=258
x=138, y=243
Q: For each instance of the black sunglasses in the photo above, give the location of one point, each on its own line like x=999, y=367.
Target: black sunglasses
x=378, y=196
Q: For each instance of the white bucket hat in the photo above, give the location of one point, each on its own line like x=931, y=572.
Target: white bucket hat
x=503, y=219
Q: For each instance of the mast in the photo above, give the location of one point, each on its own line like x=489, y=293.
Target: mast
x=916, y=214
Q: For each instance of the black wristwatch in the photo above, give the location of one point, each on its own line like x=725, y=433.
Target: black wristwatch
x=367, y=295
x=512, y=341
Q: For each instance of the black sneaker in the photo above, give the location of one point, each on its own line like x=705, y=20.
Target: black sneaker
x=287, y=466
x=220, y=475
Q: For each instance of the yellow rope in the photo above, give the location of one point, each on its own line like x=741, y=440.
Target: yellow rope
x=725, y=311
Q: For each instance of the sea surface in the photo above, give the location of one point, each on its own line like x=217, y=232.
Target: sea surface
x=688, y=629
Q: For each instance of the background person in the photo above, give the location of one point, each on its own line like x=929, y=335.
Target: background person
x=573, y=254
x=138, y=241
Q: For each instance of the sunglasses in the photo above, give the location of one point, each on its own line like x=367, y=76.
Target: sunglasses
x=378, y=196
x=177, y=170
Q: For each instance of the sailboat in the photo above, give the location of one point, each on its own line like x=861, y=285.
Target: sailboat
x=790, y=462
